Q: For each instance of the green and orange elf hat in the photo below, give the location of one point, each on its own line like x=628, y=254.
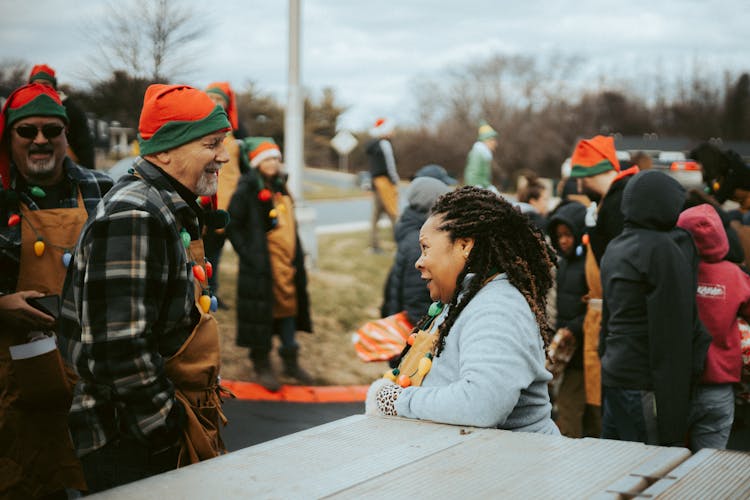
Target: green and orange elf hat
x=224, y=90
x=257, y=149
x=174, y=115
x=594, y=156
x=33, y=99
x=44, y=73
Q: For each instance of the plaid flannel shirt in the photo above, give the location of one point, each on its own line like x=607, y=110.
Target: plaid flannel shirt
x=128, y=306
x=93, y=186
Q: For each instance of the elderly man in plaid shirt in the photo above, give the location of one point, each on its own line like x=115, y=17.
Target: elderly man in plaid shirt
x=45, y=199
x=136, y=317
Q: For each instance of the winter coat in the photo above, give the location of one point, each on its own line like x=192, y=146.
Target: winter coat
x=491, y=372
x=651, y=338
x=571, y=276
x=478, y=170
x=249, y=223
x=723, y=294
x=405, y=289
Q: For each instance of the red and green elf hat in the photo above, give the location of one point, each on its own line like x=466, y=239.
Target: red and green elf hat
x=257, y=149
x=594, y=156
x=33, y=99
x=224, y=90
x=43, y=72
x=174, y=115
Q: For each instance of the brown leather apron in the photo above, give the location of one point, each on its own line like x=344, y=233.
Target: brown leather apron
x=592, y=322
x=36, y=453
x=194, y=370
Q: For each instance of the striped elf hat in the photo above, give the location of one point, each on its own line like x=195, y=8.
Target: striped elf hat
x=224, y=90
x=485, y=132
x=594, y=156
x=257, y=149
x=33, y=99
x=174, y=115
x=43, y=72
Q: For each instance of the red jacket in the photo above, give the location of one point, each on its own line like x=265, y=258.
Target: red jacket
x=723, y=294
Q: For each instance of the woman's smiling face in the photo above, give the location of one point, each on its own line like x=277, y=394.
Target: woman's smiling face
x=442, y=260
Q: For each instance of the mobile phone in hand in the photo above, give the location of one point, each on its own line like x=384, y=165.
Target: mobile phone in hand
x=49, y=304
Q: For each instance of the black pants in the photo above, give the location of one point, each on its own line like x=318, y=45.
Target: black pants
x=213, y=244
x=124, y=461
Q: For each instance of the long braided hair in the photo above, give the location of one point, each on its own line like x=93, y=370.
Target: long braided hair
x=504, y=241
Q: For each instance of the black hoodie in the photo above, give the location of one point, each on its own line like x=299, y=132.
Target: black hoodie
x=571, y=275
x=651, y=337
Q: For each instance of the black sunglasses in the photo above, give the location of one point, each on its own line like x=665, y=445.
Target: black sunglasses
x=49, y=130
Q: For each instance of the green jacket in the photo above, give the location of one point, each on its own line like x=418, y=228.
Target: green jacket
x=478, y=171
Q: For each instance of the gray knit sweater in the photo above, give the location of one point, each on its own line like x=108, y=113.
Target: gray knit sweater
x=491, y=372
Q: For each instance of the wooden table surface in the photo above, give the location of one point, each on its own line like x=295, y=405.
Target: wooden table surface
x=381, y=457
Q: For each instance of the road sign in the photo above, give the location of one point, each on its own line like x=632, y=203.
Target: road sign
x=344, y=142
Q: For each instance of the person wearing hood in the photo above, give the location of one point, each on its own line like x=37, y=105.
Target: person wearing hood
x=405, y=290
x=652, y=344
x=566, y=227
x=723, y=296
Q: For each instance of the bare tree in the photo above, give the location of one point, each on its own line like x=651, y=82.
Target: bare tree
x=149, y=39
x=13, y=73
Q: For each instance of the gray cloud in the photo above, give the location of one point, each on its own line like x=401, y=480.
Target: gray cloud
x=372, y=52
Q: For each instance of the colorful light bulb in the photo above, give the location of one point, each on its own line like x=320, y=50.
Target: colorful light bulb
x=39, y=247
x=205, y=303
x=199, y=273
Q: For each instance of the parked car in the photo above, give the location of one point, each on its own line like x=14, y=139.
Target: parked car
x=686, y=172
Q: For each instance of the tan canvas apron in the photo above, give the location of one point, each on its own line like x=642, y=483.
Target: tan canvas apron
x=282, y=245
x=36, y=452
x=194, y=370
x=591, y=325
x=388, y=194
x=424, y=342
x=229, y=175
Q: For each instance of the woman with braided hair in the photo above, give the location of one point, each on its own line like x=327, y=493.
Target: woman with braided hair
x=478, y=357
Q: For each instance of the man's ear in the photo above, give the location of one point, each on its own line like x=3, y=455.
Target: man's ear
x=163, y=157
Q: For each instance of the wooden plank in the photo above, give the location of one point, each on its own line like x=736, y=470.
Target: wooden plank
x=310, y=464
x=502, y=464
x=707, y=474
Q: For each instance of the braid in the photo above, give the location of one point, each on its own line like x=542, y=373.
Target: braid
x=504, y=241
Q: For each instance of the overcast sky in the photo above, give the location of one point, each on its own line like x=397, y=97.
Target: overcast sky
x=372, y=52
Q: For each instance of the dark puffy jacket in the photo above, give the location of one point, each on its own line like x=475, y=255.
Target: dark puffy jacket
x=651, y=337
x=247, y=230
x=405, y=289
x=571, y=275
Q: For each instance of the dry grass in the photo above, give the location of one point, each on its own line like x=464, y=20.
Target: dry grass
x=345, y=291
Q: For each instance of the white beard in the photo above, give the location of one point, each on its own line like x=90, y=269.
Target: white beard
x=41, y=167
x=207, y=184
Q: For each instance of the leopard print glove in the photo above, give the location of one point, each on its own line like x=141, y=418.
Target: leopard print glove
x=381, y=398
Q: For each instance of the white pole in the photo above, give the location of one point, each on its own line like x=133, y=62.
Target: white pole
x=294, y=119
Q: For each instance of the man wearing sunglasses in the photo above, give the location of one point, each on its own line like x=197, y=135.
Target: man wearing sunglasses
x=80, y=137
x=44, y=200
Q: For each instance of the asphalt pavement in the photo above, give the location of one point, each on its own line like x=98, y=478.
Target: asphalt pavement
x=254, y=422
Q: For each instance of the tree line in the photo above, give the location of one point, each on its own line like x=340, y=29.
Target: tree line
x=538, y=105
